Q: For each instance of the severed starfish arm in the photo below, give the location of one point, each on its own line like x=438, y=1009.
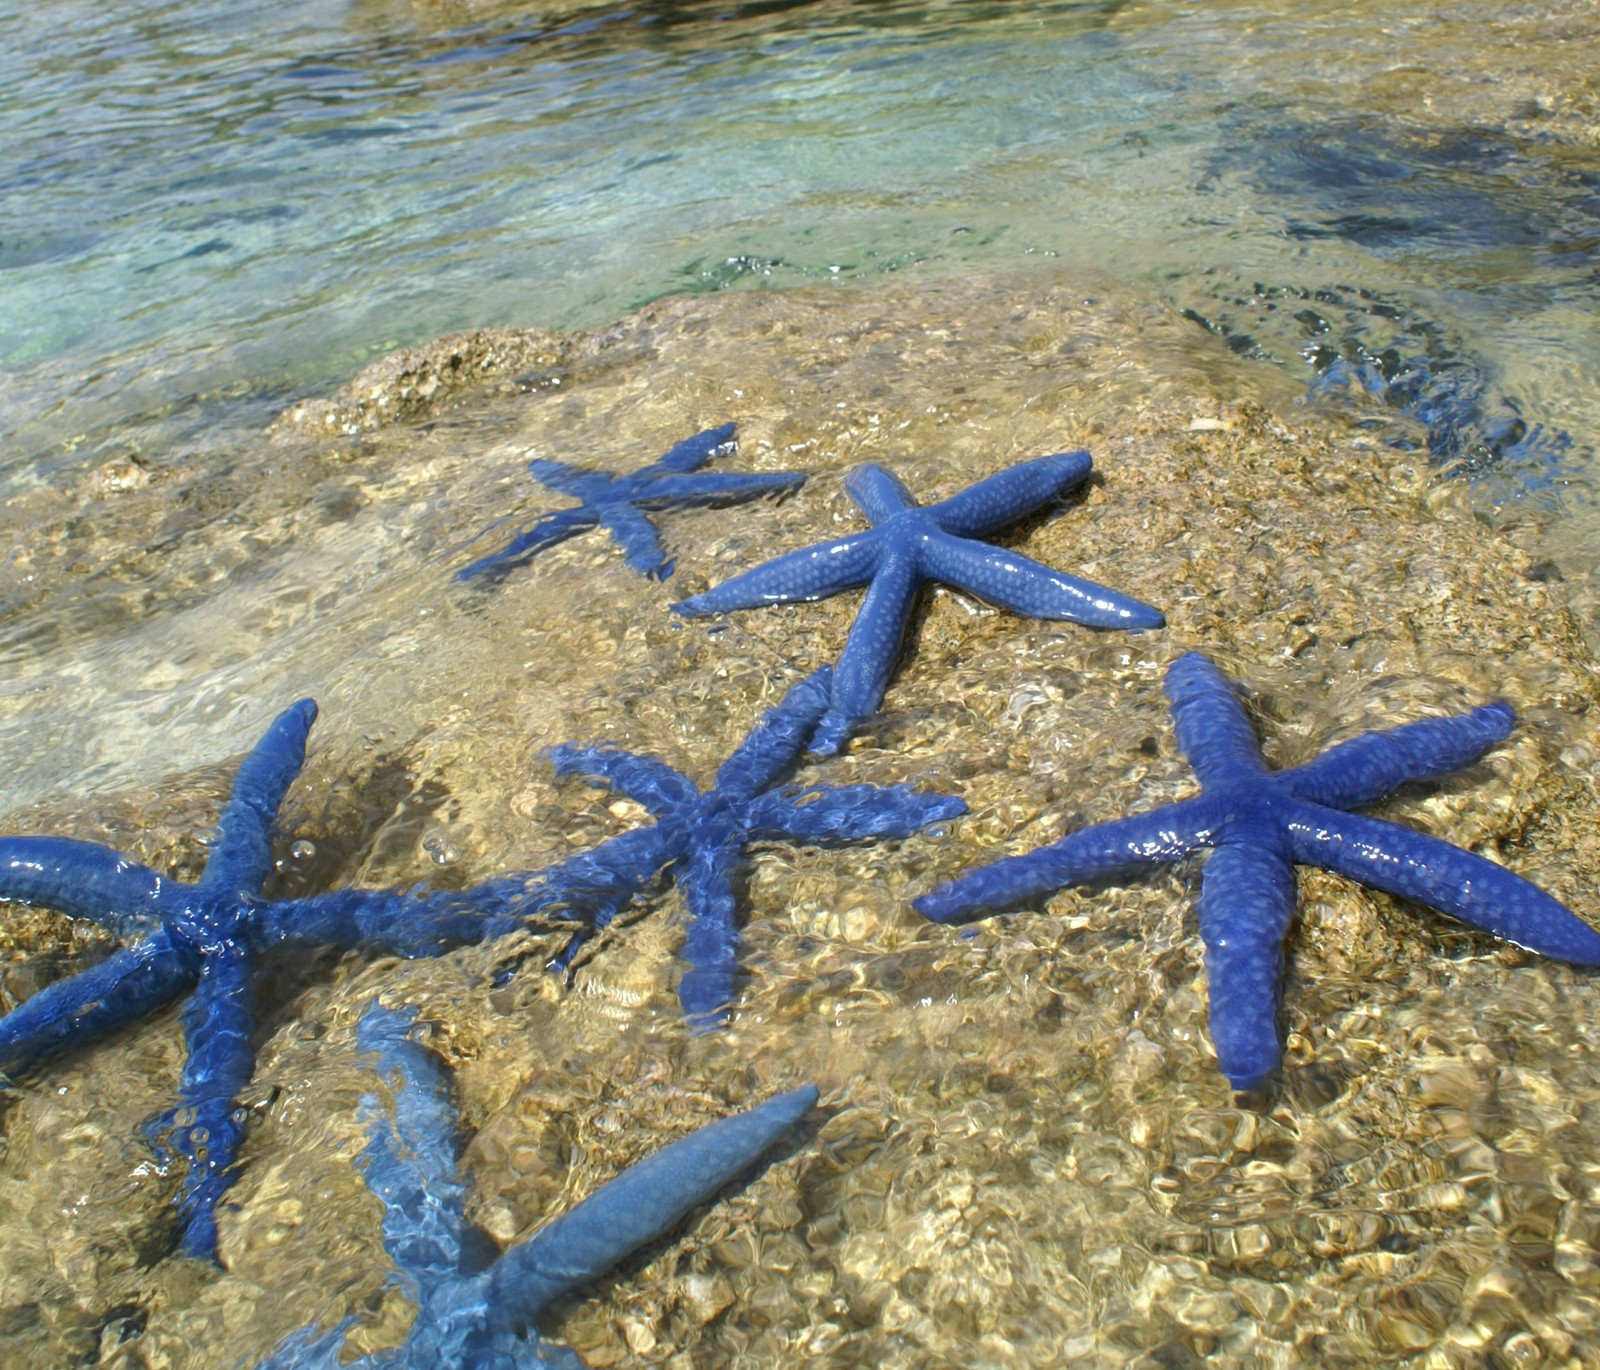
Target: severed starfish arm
x=1467, y=886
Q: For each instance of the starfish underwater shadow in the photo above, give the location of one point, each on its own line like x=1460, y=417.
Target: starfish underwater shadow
x=204, y=939
x=1259, y=825
x=698, y=837
x=908, y=545
x=618, y=503
x=474, y=1319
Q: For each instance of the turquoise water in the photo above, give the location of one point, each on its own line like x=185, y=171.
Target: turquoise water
x=1029, y=1156
x=210, y=210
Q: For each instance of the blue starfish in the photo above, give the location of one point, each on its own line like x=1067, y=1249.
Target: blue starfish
x=907, y=545
x=616, y=503
x=1260, y=825
x=474, y=1319
x=205, y=938
x=698, y=837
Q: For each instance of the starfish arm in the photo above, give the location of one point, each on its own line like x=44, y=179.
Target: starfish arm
x=592, y=887
x=849, y=813
x=613, y=873
x=547, y=532
x=716, y=487
x=693, y=453
x=877, y=493
x=421, y=924
x=646, y=780
x=209, y=1123
x=771, y=747
x=711, y=941
x=411, y=1158
x=241, y=861
x=305, y=1350
x=1027, y=587
x=1247, y=898
x=637, y=536
x=872, y=650
x=1000, y=500
x=1414, y=866
x=634, y=1209
x=128, y=984
x=1214, y=733
x=1366, y=768
x=84, y=880
x=1079, y=858
x=563, y=478
x=810, y=573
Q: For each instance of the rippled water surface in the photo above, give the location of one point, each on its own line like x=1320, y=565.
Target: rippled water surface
x=1318, y=288
x=210, y=208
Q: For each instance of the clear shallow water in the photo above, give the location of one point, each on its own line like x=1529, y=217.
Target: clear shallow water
x=1033, y=1153
x=210, y=210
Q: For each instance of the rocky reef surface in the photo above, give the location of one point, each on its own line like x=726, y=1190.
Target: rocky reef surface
x=1029, y=1155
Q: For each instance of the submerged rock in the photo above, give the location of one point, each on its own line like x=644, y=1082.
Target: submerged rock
x=1031, y=1157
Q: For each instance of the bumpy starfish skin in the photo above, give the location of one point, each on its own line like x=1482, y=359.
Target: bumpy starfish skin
x=1259, y=825
x=203, y=939
x=472, y=1320
x=908, y=545
x=616, y=503
x=699, y=837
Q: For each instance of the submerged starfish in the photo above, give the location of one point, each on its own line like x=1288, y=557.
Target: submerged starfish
x=203, y=939
x=617, y=503
x=698, y=837
x=1260, y=825
x=474, y=1319
x=907, y=545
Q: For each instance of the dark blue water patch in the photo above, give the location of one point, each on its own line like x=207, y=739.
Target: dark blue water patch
x=18, y=250
x=1393, y=189
x=1362, y=345
x=205, y=249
